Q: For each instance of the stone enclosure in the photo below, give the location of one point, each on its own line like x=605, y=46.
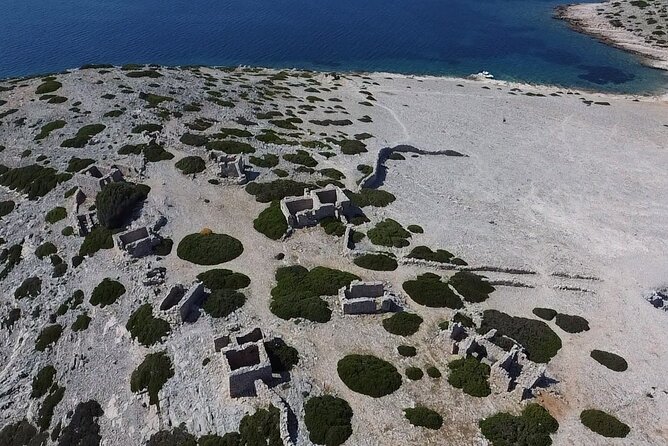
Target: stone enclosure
x=246, y=362
x=315, y=205
x=367, y=298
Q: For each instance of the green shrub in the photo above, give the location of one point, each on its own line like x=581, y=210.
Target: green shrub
x=351, y=146
x=365, y=169
x=190, y=165
x=371, y=197
x=376, y=262
x=433, y=372
x=282, y=356
x=83, y=428
x=30, y=287
x=414, y=373
x=226, y=132
x=403, y=323
x=280, y=173
x=22, y=433
x=154, y=153
x=98, y=238
x=407, y=351
x=106, y=292
x=12, y=317
x=333, y=226
x=55, y=215
x=33, y=180
x=604, y=424
x=415, y=229
x=154, y=99
x=81, y=323
x=223, y=302
x=230, y=147
x=49, y=404
x=49, y=335
x=6, y=207
x=48, y=128
x=389, y=233
x=271, y=222
x=428, y=290
x=298, y=291
x=302, y=157
x=67, y=231
x=151, y=375
x=164, y=248
x=332, y=173
x=470, y=375
x=328, y=420
x=544, y=313
x=150, y=128
x=463, y=319
x=540, y=342
x=116, y=201
x=425, y=253
x=610, y=360
x=83, y=136
x=78, y=164
x=368, y=375
x=229, y=439
x=216, y=279
x=41, y=383
x=571, y=324
x=472, y=287
x=209, y=249
x=144, y=73
x=191, y=139
x=423, y=417
x=178, y=436
x=48, y=87
x=276, y=190
x=10, y=257
x=532, y=427
x=45, y=249
x=146, y=328
x=261, y=428
x=268, y=160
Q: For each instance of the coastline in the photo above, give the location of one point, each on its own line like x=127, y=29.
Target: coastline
x=584, y=18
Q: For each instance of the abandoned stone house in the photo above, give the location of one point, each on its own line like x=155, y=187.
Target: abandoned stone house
x=314, y=205
x=509, y=370
x=367, y=298
x=137, y=242
x=230, y=166
x=246, y=362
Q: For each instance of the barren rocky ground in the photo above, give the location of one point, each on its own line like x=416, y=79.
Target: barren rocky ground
x=558, y=201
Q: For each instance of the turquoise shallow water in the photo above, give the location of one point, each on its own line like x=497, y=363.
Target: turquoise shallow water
x=513, y=39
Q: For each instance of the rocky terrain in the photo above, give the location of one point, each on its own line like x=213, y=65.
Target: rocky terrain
x=517, y=227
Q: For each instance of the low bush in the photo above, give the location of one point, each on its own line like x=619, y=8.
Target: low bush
x=151, y=375
x=78, y=164
x=298, y=291
x=332, y=173
x=271, y=222
x=368, y=375
x=191, y=139
x=81, y=323
x=276, y=190
x=22, y=433
x=30, y=287
x=571, y=324
x=538, y=339
x=328, y=420
x=414, y=373
x=150, y=128
x=116, y=201
x=209, y=249
x=67, y=231
x=261, y=428
x=472, y=287
x=146, y=328
x=282, y=356
x=106, y=292
x=463, y=319
x=164, y=248
x=216, y=279
x=154, y=100
x=267, y=161
x=433, y=372
x=403, y=323
x=371, y=197
x=229, y=439
x=376, y=262
x=46, y=129
x=428, y=290
x=98, y=238
x=351, y=146
x=45, y=413
x=48, y=336
x=10, y=257
x=532, y=427
x=178, y=436
x=407, y=351
x=333, y=226
x=6, y=207
x=83, y=136
x=544, y=313
x=604, y=424
x=423, y=417
x=470, y=375
x=154, y=153
x=33, y=180
x=144, y=73
x=48, y=86
x=83, y=429
x=55, y=215
x=365, y=169
x=230, y=147
x=190, y=165
x=45, y=249
x=223, y=302
x=426, y=253
x=41, y=383
x=389, y=233
x=610, y=360
x=301, y=157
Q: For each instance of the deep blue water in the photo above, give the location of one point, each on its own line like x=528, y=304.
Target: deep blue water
x=513, y=39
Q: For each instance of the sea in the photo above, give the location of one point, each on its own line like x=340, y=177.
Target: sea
x=516, y=40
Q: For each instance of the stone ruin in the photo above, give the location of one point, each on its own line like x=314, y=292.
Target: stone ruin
x=367, y=298
x=173, y=298
x=230, y=166
x=314, y=206
x=658, y=299
x=89, y=182
x=246, y=361
x=509, y=370
x=193, y=300
x=137, y=242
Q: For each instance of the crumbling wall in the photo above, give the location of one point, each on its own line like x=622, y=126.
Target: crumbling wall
x=194, y=297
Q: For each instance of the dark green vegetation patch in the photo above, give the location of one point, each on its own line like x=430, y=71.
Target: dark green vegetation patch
x=48, y=336
x=403, y=323
x=116, y=202
x=45, y=249
x=81, y=323
x=146, y=328
x=298, y=291
x=34, y=180
x=55, y=215
x=604, y=424
x=532, y=427
x=78, y=164
x=98, y=238
x=30, y=287
x=301, y=157
x=471, y=286
x=209, y=248
x=540, y=342
x=106, y=292
x=48, y=86
x=414, y=373
x=544, y=313
x=271, y=222
x=48, y=128
x=217, y=279
x=267, y=160
x=151, y=375
x=261, y=428
x=571, y=324
x=371, y=197
x=83, y=136
x=390, y=233
x=328, y=420
x=424, y=417
x=610, y=360
x=276, y=190
x=368, y=375
x=190, y=165
x=6, y=207
x=429, y=290
x=407, y=351
x=470, y=375
x=230, y=147
x=223, y=302
x=282, y=356
x=42, y=381
x=376, y=262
